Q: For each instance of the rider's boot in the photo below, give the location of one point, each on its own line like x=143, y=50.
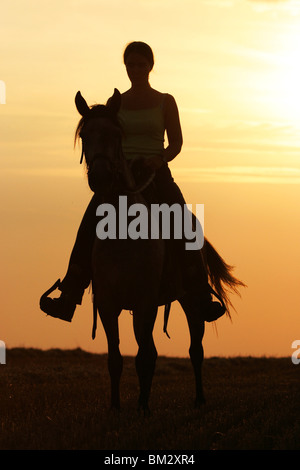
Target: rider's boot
x=211, y=310
x=72, y=289
x=197, y=284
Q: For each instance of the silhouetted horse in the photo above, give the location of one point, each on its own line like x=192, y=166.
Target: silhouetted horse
x=128, y=273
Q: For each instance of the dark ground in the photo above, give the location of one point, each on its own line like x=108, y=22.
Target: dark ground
x=60, y=400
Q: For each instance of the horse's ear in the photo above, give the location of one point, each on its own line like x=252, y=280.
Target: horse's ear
x=114, y=102
x=81, y=104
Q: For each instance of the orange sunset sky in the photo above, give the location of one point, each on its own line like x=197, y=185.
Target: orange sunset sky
x=233, y=67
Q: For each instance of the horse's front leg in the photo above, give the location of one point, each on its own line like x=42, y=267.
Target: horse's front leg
x=143, y=322
x=109, y=320
x=196, y=328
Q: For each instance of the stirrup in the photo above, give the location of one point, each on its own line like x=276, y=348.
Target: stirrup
x=56, y=285
x=217, y=309
x=57, y=308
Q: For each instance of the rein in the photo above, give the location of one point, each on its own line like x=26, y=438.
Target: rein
x=141, y=188
x=82, y=154
x=138, y=189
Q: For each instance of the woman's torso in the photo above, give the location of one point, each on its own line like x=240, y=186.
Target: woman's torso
x=143, y=128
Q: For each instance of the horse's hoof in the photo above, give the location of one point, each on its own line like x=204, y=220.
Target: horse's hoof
x=115, y=409
x=146, y=413
x=199, y=403
x=144, y=410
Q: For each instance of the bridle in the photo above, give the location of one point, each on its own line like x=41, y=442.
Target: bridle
x=115, y=169
x=110, y=112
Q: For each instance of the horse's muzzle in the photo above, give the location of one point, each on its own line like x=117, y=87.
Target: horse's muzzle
x=100, y=175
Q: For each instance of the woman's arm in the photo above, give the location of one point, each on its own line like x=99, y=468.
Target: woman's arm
x=173, y=129
x=174, y=134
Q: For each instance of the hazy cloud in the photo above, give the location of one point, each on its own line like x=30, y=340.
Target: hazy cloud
x=289, y=6
x=219, y=3
x=240, y=174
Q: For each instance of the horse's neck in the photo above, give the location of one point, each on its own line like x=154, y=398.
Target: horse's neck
x=128, y=176
x=131, y=184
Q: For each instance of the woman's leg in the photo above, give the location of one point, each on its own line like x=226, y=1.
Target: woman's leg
x=78, y=275
x=192, y=264
x=169, y=192
x=80, y=260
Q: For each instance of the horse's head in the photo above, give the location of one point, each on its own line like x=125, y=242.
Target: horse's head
x=101, y=141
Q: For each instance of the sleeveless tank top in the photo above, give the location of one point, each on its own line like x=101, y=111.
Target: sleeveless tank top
x=143, y=131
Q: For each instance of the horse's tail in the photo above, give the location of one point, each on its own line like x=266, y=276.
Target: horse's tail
x=220, y=275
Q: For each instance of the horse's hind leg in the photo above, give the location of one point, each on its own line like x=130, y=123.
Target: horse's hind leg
x=196, y=327
x=115, y=361
x=146, y=357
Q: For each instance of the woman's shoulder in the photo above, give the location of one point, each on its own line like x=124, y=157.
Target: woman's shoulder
x=170, y=104
x=165, y=96
x=155, y=99
x=168, y=101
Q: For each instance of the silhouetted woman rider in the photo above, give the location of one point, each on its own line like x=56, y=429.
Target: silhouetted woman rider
x=145, y=116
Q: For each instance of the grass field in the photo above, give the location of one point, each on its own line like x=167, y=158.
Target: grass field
x=60, y=400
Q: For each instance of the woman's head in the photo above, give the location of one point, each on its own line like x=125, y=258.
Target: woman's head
x=139, y=48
